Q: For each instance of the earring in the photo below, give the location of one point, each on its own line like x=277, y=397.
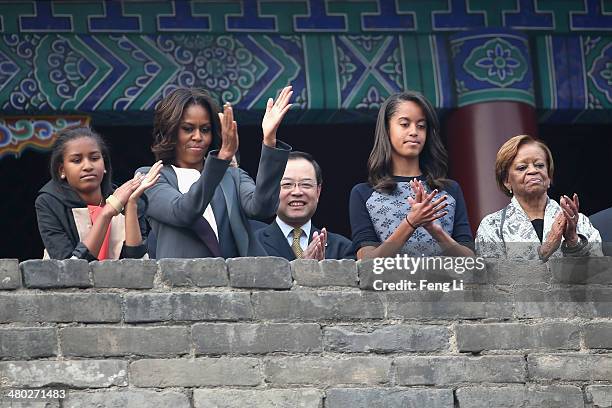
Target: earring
x=63, y=176
x=104, y=171
x=510, y=190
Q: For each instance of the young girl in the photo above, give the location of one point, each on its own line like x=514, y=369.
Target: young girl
x=79, y=214
x=408, y=206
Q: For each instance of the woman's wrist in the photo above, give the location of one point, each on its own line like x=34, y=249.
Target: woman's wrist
x=225, y=155
x=108, y=211
x=132, y=203
x=270, y=140
x=543, y=253
x=412, y=223
x=438, y=233
x=572, y=241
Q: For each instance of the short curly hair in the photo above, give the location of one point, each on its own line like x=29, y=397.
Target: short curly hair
x=507, y=153
x=168, y=114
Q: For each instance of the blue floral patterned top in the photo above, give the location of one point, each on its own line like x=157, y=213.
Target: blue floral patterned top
x=375, y=216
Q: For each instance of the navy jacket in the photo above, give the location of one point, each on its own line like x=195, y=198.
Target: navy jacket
x=603, y=222
x=275, y=243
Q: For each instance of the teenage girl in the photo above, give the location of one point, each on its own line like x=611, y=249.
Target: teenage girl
x=408, y=205
x=79, y=214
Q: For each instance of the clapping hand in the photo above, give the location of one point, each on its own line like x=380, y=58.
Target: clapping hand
x=146, y=180
x=422, y=209
x=570, y=209
x=125, y=191
x=316, y=248
x=229, y=133
x=553, y=239
x=275, y=111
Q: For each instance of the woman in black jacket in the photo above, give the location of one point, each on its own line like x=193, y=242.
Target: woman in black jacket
x=79, y=215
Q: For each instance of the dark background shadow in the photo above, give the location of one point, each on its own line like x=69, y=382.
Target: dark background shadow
x=583, y=155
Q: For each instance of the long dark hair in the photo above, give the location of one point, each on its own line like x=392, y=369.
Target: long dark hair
x=57, y=155
x=433, y=158
x=168, y=114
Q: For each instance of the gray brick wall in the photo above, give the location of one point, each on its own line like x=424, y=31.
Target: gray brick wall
x=265, y=332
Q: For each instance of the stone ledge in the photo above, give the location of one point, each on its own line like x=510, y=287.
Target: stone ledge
x=259, y=273
x=278, y=273
x=10, y=276
x=205, y=272
x=329, y=272
x=124, y=273
x=46, y=274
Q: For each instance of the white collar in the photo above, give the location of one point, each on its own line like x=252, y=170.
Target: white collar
x=185, y=178
x=550, y=209
x=288, y=229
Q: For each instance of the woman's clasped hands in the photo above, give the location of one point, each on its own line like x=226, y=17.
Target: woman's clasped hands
x=129, y=192
x=564, y=227
x=570, y=209
x=423, y=208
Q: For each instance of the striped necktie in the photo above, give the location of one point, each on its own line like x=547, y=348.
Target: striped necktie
x=295, y=245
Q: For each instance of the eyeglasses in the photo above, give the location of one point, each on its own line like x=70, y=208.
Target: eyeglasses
x=303, y=185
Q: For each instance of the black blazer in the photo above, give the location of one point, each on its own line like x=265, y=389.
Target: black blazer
x=275, y=243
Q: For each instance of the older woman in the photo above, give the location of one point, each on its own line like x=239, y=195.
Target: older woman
x=533, y=226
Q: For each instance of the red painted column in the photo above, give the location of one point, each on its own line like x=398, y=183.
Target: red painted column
x=474, y=134
x=493, y=78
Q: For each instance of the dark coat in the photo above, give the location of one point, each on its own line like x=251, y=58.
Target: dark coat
x=603, y=222
x=56, y=206
x=275, y=243
x=234, y=198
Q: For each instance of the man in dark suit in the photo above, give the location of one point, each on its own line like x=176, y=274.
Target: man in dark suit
x=292, y=234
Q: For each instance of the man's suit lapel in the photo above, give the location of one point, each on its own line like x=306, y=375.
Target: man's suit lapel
x=275, y=242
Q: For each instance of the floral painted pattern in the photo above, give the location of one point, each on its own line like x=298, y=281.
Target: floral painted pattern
x=497, y=62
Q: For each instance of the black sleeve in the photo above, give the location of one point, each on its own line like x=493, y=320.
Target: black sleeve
x=140, y=250
x=53, y=232
x=461, y=227
x=347, y=249
x=259, y=198
x=363, y=232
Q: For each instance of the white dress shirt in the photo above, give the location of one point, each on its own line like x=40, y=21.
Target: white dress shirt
x=288, y=232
